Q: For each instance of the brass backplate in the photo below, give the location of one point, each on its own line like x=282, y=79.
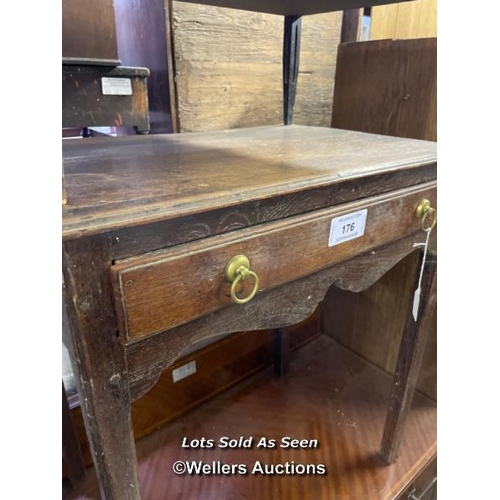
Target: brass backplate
x=234, y=264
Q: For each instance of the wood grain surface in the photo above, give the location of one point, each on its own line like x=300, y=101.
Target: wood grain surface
x=137, y=240
x=128, y=181
x=229, y=67
x=293, y=7
x=404, y=20
x=322, y=376
x=167, y=288
x=387, y=87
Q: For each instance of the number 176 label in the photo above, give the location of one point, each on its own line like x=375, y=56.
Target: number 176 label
x=347, y=227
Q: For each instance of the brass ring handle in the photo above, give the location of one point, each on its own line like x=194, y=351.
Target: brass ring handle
x=426, y=214
x=237, y=269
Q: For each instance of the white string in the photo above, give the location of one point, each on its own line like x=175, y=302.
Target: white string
x=416, y=296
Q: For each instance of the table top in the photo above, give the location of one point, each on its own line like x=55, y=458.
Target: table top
x=112, y=183
x=293, y=7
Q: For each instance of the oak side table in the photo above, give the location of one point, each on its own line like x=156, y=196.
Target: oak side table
x=172, y=239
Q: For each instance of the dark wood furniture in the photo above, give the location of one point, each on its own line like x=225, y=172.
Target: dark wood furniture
x=151, y=223
x=96, y=90
x=100, y=96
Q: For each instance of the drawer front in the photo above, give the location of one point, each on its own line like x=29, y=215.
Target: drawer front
x=159, y=291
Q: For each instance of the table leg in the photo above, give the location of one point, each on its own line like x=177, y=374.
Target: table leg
x=99, y=362
x=281, y=354
x=409, y=360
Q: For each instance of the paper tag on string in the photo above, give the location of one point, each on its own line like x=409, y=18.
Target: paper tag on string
x=416, y=295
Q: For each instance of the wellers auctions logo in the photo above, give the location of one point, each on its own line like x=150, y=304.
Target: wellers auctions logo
x=217, y=467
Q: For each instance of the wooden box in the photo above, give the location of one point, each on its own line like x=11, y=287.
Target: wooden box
x=99, y=96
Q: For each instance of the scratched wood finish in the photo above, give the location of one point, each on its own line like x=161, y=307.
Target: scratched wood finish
x=99, y=361
x=276, y=308
x=322, y=376
x=150, y=237
x=387, y=87
x=195, y=271
x=129, y=181
x=229, y=67
x=293, y=7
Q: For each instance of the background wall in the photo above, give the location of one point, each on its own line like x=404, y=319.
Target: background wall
x=228, y=67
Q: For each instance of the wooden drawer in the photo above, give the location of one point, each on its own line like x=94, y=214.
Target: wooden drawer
x=164, y=289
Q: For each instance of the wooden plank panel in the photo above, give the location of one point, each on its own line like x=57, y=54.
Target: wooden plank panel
x=229, y=67
x=388, y=87
x=318, y=58
x=427, y=24
x=417, y=19
x=293, y=7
